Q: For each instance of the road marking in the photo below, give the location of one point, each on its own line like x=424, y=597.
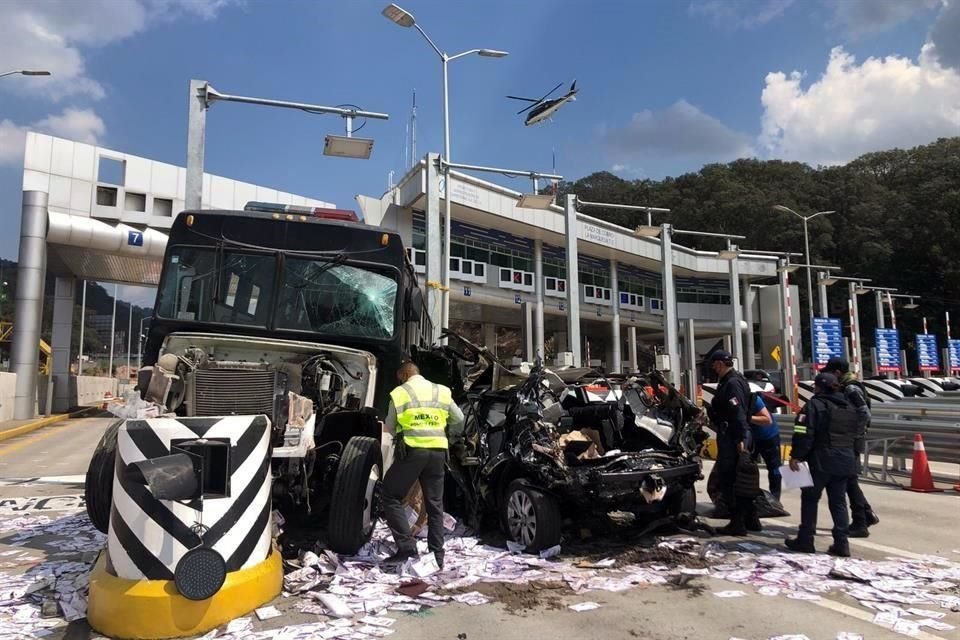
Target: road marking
x=866, y=617
x=43, y=435
x=860, y=542
x=9, y=482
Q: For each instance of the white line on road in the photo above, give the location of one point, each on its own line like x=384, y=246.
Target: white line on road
x=867, y=617
x=860, y=542
x=5, y=482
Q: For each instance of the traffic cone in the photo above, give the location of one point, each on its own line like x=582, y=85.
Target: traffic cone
x=920, y=478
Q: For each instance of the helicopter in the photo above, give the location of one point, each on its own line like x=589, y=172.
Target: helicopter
x=541, y=109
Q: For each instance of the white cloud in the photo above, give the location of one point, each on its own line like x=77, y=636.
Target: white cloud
x=872, y=16
x=739, y=15
x=82, y=125
x=853, y=109
x=52, y=34
x=680, y=131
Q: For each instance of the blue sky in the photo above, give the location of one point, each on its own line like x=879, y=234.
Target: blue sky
x=665, y=85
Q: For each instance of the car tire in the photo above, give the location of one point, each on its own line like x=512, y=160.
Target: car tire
x=354, y=504
x=684, y=501
x=98, y=484
x=530, y=517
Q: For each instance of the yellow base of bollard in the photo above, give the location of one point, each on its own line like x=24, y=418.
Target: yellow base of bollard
x=153, y=609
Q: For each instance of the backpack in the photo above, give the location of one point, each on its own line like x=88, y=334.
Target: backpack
x=843, y=421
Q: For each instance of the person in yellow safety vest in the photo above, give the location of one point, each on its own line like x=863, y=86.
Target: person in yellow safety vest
x=423, y=418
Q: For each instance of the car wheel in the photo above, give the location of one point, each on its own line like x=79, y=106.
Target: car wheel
x=683, y=501
x=98, y=485
x=355, y=501
x=531, y=517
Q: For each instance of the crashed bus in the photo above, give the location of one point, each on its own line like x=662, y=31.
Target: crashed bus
x=301, y=315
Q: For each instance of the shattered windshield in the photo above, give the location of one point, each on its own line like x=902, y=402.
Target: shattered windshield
x=324, y=296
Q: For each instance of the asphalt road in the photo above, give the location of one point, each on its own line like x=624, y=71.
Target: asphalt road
x=52, y=461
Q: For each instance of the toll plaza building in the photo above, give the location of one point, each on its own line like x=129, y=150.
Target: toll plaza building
x=498, y=248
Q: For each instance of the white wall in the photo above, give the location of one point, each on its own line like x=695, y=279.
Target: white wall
x=8, y=384
x=90, y=389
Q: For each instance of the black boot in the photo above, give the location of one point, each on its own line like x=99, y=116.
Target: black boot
x=800, y=546
x=840, y=548
x=859, y=531
x=872, y=517
x=736, y=526
x=401, y=556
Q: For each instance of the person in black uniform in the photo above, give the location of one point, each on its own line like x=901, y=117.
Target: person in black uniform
x=824, y=437
x=728, y=412
x=862, y=514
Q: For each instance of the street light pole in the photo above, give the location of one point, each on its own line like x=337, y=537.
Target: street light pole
x=404, y=18
x=140, y=343
x=806, y=242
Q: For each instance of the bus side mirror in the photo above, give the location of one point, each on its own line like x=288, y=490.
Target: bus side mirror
x=415, y=305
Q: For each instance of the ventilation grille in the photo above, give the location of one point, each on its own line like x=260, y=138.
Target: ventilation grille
x=224, y=392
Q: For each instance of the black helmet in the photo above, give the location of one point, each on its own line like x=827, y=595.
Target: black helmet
x=826, y=381
x=836, y=364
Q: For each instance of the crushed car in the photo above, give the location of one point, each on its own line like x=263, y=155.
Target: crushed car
x=547, y=446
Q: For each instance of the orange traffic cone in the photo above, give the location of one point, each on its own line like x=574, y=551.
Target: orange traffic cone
x=920, y=478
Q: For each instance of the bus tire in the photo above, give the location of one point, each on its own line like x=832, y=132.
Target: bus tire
x=98, y=485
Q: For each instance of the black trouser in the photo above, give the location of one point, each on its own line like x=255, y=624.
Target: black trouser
x=742, y=509
x=859, y=507
x=769, y=450
x=427, y=466
x=831, y=475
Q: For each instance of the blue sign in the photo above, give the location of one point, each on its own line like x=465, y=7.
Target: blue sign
x=953, y=346
x=467, y=291
x=624, y=298
x=516, y=298
x=888, y=350
x=563, y=307
x=135, y=238
x=827, y=340
x=927, y=354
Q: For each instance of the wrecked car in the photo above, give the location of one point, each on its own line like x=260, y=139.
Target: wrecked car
x=543, y=447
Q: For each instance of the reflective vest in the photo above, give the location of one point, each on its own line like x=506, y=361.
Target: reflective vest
x=422, y=412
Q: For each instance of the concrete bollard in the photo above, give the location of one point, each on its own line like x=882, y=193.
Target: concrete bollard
x=190, y=544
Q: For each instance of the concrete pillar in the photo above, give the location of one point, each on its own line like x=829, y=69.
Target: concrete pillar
x=28, y=313
x=560, y=337
x=690, y=345
x=616, y=365
x=538, y=298
x=529, y=354
x=196, y=136
x=737, y=334
x=671, y=326
x=632, y=339
x=750, y=350
x=881, y=322
x=824, y=311
x=434, y=250
x=573, y=281
x=787, y=357
x=62, y=332
x=490, y=337
x=856, y=349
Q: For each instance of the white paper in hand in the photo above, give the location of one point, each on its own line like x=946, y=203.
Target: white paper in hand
x=796, y=479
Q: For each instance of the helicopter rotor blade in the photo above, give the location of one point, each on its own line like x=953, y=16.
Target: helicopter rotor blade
x=547, y=94
x=528, y=107
x=524, y=99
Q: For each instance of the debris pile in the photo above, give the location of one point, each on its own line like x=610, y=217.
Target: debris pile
x=358, y=598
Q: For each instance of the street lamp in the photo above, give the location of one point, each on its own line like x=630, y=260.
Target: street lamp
x=25, y=72
x=806, y=241
x=404, y=18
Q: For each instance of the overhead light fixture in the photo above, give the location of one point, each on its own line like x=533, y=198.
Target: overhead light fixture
x=790, y=268
x=535, y=201
x=647, y=231
x=911, y=305
x=730, y=253
x=828, y=281
x=399, y=16
x=35, y=72
x=344, y=147
x=492, y=53
x=859, y=291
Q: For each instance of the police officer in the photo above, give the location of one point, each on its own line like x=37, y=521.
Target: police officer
x=766, y=442
x=422, y=416
x=728, y=412
x=862, y=513
x=824, y=437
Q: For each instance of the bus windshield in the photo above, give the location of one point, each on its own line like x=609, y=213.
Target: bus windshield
x=189, y=289
x=320, y=295
x=323, y=296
